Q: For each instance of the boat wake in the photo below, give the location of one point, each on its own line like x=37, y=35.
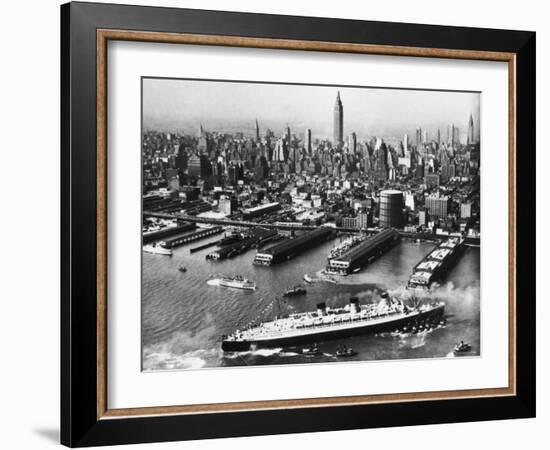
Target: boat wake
x=213, y=282
x=183, y=350
x=169, y=361
x=264, y=352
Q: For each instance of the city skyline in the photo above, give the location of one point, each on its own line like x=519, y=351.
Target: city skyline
x=184, y=105
x=359, y=235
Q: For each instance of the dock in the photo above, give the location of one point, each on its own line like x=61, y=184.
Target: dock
x=167, y=232
x=177, y=241
x=253, y=238
x=436, y=263
x=363, y=253
x=287, y=249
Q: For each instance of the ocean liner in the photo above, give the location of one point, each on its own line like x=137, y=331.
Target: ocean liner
x=331, y=323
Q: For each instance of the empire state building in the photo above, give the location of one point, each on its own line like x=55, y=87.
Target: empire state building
x=338, y=135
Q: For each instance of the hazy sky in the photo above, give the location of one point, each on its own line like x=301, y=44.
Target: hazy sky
x=233, y=106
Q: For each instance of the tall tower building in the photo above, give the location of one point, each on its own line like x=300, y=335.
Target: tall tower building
x=308, y=141
x=470, y=138
x=352, y=143
x=453, y=134
x=338, y=122
x=257, y=131
x=418, y=137
x=287, y=136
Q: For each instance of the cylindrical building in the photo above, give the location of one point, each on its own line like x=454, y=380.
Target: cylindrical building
x=391, y=209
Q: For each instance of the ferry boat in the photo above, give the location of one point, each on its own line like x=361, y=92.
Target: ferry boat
x=157, y=249
x=296, y=290
x=331, y=323
x=237, y=282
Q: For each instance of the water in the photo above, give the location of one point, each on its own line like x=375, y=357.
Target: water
x=183, y=317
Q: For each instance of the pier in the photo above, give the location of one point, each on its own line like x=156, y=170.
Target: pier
x=186, y=238
x=254, y=238
x=436, y=264
x=167, y=232
x=289, y=248
x=363, y=253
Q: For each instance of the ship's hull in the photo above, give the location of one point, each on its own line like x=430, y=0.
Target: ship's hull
x=233, y=285
x=157, y=250
x=337, y=332
x=295, y=293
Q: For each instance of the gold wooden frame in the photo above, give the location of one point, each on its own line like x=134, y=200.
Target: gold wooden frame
x=103, y=36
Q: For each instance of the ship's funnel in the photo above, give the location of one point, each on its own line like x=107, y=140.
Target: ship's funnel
x=354, y=304
x=321, y=308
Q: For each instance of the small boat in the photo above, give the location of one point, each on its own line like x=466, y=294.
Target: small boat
x=345, y=352
x=237, y=282
x=308, y=279
x=463, y=347
x=357, y=270
x=330, y=280
x=182, y=269
x=156, y=249
x=311, y=351
x=296, y=290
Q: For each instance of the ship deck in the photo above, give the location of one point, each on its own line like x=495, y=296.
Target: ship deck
x=289, y=328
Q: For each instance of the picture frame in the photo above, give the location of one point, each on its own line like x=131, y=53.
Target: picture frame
x=86, y=418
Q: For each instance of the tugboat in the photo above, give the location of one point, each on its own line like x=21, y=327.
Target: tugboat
x=156, y=249
x=345, y=352
x=237, y=282
x=296, y=290
x=463, y=347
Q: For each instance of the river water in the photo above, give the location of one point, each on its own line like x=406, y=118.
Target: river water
x=183, y=317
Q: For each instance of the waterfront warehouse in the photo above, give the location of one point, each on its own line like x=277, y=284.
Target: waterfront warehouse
x=177, y=241
x=289, y=248
x=167, y=232
x=436, y=264
x=363, y=253
x=257, y=211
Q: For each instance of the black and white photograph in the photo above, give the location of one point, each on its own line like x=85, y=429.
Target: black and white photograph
x=291, y=223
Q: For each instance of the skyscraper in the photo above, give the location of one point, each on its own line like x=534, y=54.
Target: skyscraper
x=470, y=138
x=308, y=141
x=257, y=131
x=338, y=122
x=418, y=137
x=352, y=143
